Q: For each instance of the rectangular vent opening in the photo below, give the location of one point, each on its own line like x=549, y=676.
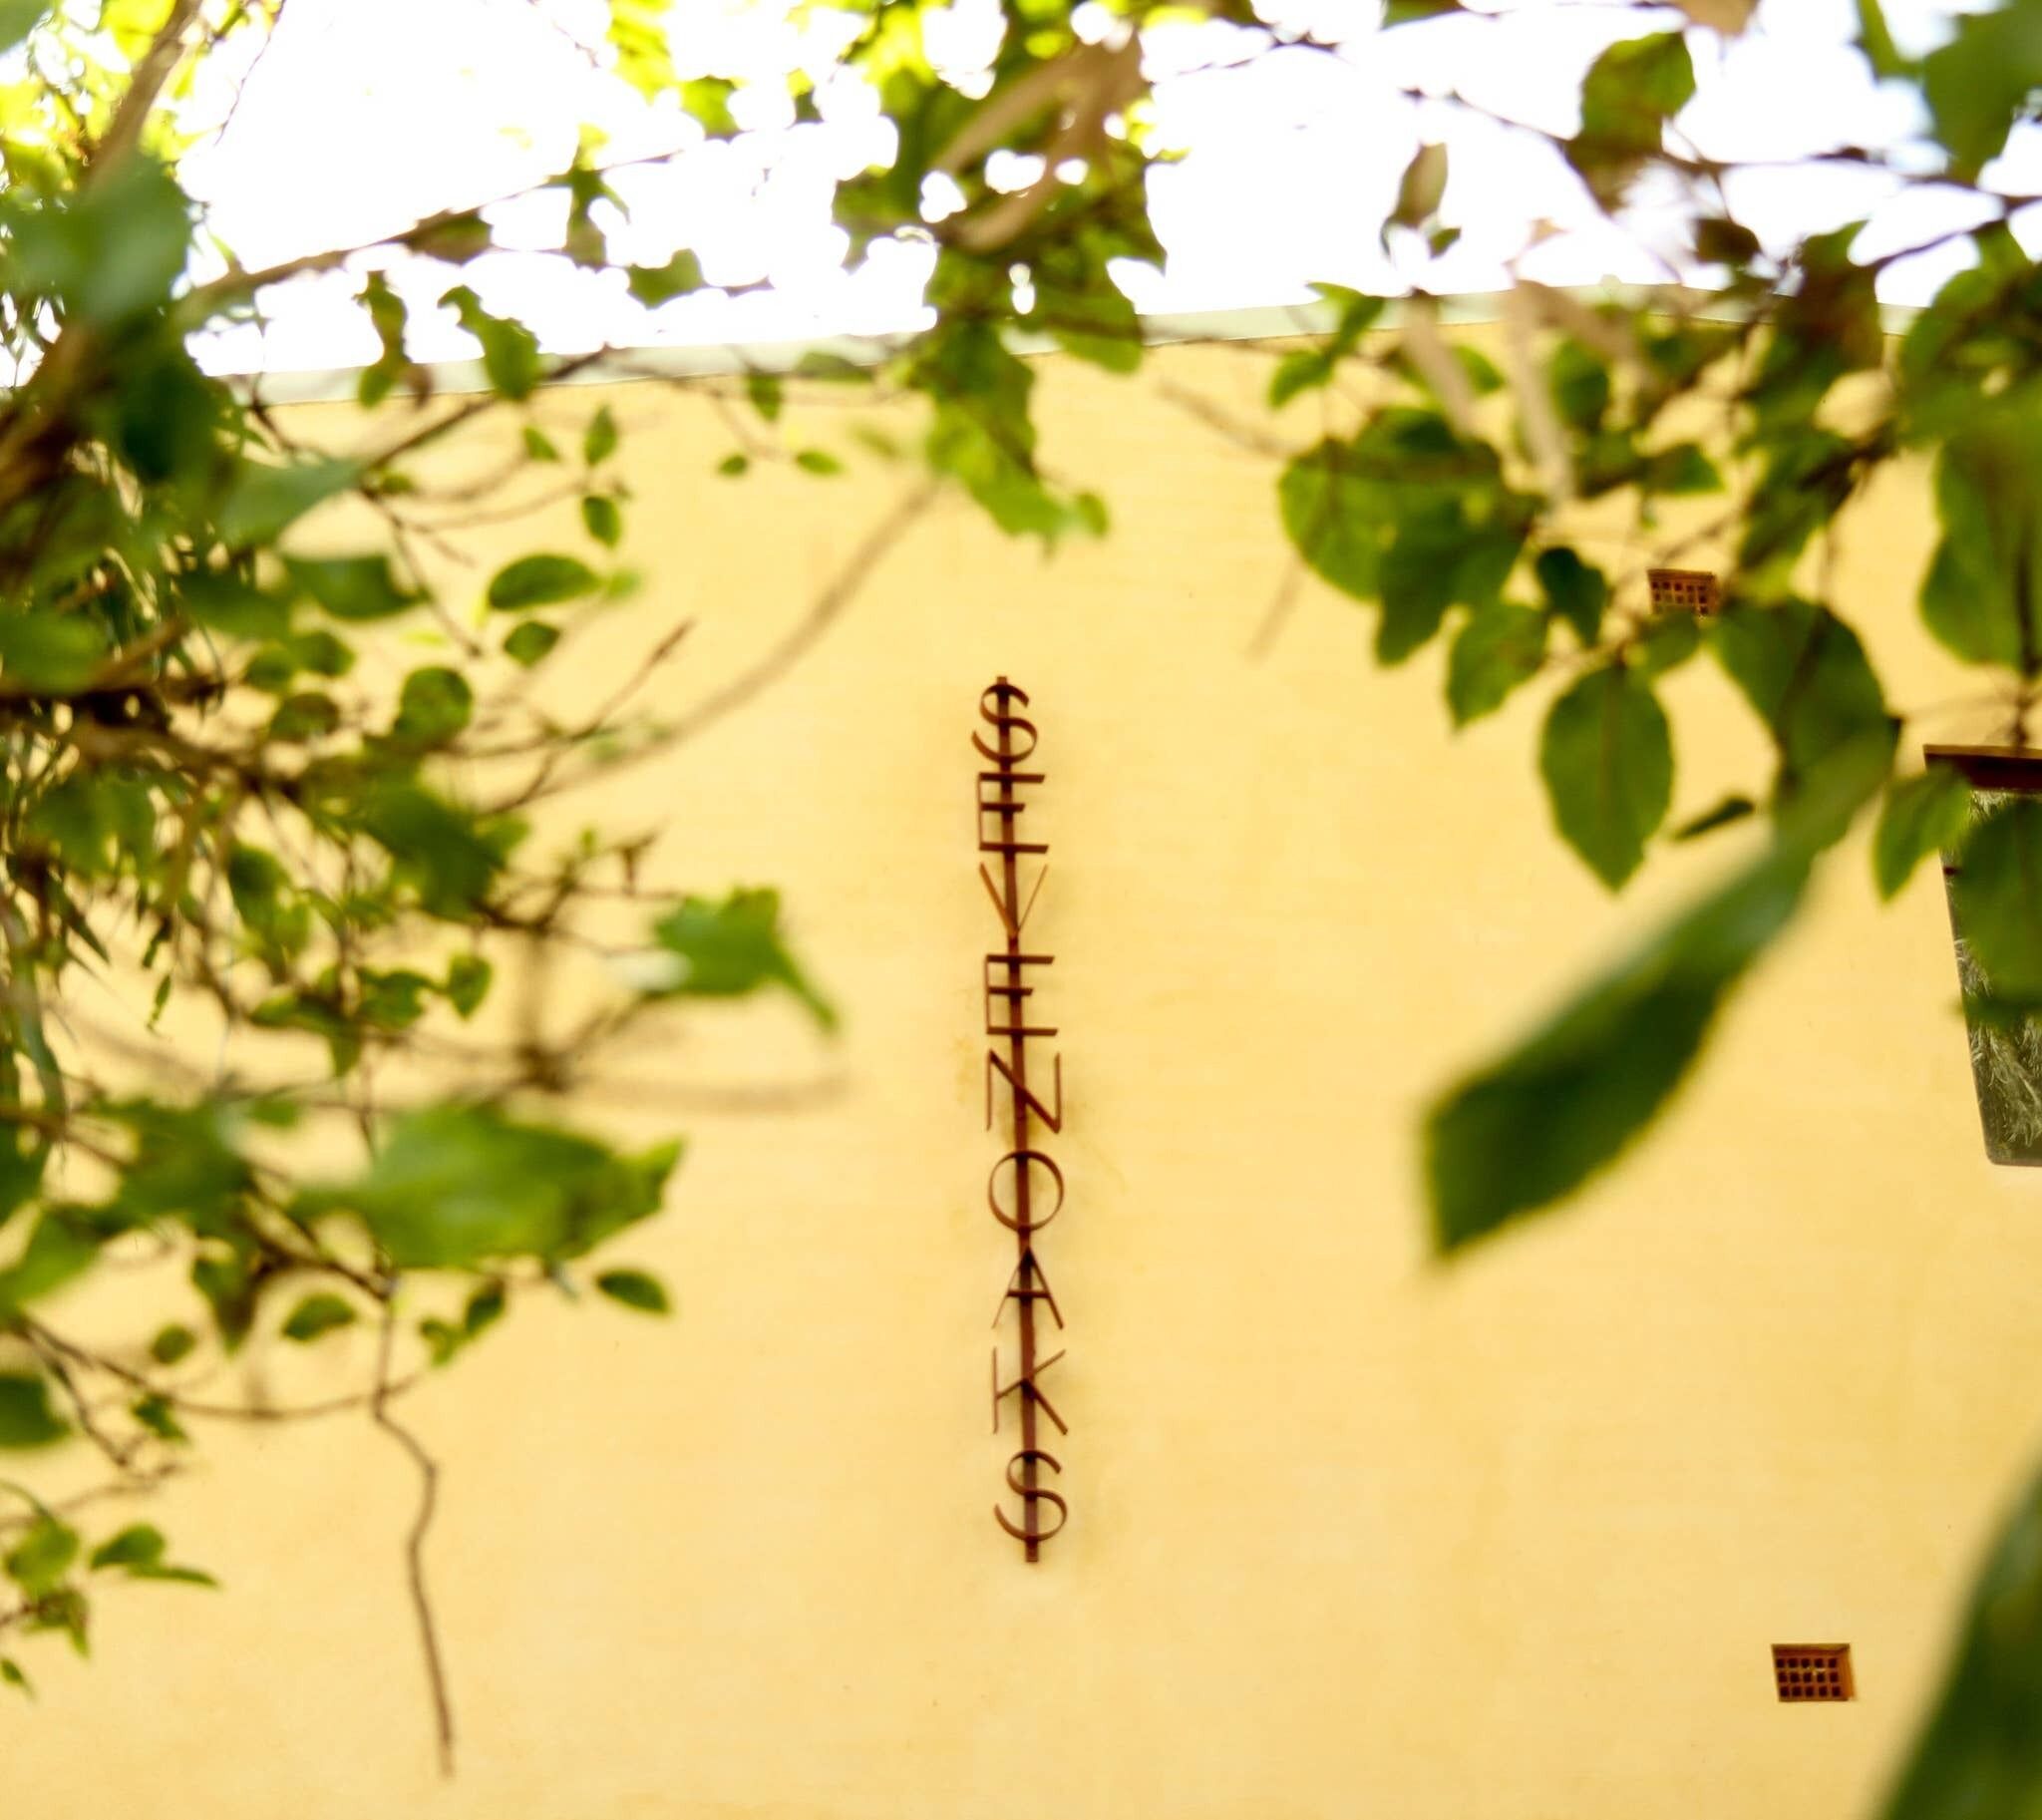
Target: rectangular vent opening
x=1812, y=1672
x=1692, y=590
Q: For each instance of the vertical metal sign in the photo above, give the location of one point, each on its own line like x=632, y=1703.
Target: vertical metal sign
x=1025, y=1174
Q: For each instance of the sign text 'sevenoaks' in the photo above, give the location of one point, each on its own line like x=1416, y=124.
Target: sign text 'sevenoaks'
x=1025, y=1173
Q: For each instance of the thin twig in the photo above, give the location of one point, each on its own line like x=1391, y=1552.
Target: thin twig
x=782, y=656
x=1280, y=610
x=415, y=1542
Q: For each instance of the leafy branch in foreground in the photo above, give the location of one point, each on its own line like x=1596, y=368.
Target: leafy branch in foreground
x=200, y=801
x=333, y=888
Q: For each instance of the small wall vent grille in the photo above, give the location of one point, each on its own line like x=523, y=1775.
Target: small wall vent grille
x=1812, y=1672
x=1691, y=590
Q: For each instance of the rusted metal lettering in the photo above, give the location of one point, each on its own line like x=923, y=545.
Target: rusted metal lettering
x=1014, y=1187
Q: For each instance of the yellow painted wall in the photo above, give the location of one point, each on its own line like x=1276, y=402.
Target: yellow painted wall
x=1352, y=1535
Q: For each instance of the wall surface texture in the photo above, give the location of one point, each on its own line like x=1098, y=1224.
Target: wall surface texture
x=1352, y=1534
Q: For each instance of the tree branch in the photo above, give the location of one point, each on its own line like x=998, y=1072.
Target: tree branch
x=415, y=1542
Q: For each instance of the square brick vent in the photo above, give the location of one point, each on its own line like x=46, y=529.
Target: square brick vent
x=1812, y=1672
x=1690, y=591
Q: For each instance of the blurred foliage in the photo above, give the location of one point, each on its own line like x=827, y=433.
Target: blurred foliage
x=259, y=779
x=198, y=793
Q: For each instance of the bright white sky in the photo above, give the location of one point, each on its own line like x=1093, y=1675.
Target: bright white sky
x=366, y=113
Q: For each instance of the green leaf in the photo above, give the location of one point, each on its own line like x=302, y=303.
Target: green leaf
x=1665, y=642
x=11, y=1675
x=66, y=1608
x=729, y=949
x=1084, y=311
x=1806, y=675
x=1982, y=594
x=139, y=1546
x=1408, y=512
x=22, y=1161
x=540, y=580
x=1923, y=815
x=1607, y=759
x=531, y=641
x=155, y=1414
x=766, y=393
x=92, y=819
x=317, y=1315
x=1530, y=1128
x=1407, y=12
x=434, y=706
x=1574, y=590
x=226, y=603
x=1680, y=471
x=264, y=499
x=1423, y=185
x=1310, y=368
x=439, y=849
x=26, y=1419
x=1876, y=42
x=173, y=1344
x=457, y=238
x=653, y=285
x=510, y=357
x=40, y=1560
x=636, y=1290
x=484, y=1308
x=110, y=250
x=394, y=999
x=1980, y=1754
x=1996, y=899
x=732, y=466
x=1731, y=810
x=599, y=442
x=322, y=653
x=637, y=32
x=230, y=1289
x=1722, y=241
x=1499, y=649
x=1578, y=379
x=707, y=98
x=1982, y=81
x=1634, y=88
x=601, y=519
x=468, y=983
x=18, y=18
x=186, y=1576
x=257, y=884
x=460, y=1186
x=304, y=718
x=442, y=1343
x=981, y=433
x=1807, y=478
x=539, y=445
x=1630, y=93
x=61, y=1247
x=138, y=1552
x=42, y=651
x=1302, y=370
x=387, y=316
x=818, y=462
x=351, y=587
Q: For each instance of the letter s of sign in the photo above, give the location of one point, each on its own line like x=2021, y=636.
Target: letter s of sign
x=992, y=709
x=1033, y=1495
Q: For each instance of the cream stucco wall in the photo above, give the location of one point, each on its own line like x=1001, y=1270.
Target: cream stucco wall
x=1352, y=1535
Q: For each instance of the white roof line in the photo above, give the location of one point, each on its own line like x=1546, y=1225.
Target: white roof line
x=1269, y=322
